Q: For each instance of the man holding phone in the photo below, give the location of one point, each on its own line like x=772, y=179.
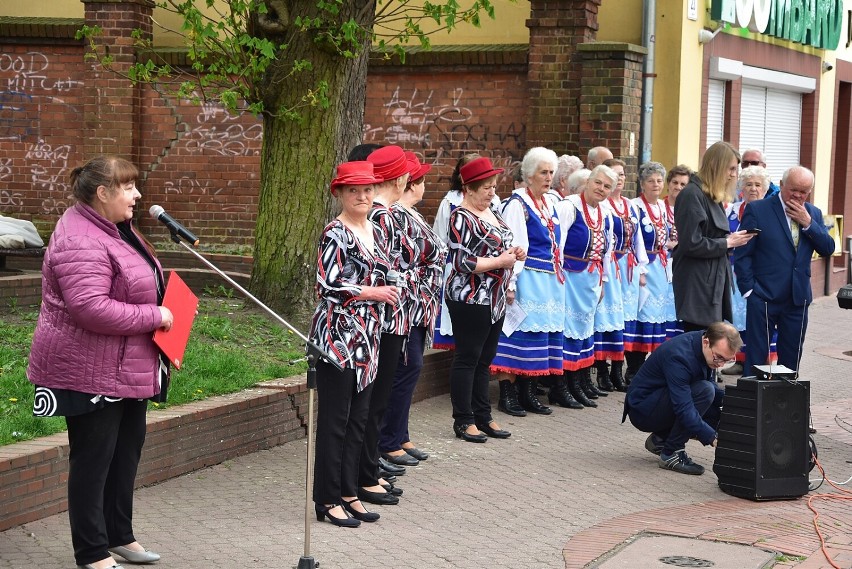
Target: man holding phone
x=773, y=270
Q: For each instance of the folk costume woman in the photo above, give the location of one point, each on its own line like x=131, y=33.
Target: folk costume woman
x=586, y=231
x=655, y=314
x=534, y=350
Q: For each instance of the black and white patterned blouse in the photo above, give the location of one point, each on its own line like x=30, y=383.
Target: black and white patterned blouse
x=401, y=253
x=422, y=299
x=346, y=328
x=471, y=237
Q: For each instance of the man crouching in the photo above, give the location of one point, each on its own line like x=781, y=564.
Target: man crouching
x=674, y=395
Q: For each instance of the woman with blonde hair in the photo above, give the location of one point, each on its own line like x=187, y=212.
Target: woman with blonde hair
x=701, y=271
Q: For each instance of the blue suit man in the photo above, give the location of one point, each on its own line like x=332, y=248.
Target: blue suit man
x=773, y=270
x=674, y=395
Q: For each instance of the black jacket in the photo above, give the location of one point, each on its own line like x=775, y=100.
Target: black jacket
x=701, y=269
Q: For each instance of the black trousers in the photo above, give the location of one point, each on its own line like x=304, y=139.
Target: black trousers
x=341, y=418
x=394, y=431
x=389, y=353
x=476, y=345
x=105, y=447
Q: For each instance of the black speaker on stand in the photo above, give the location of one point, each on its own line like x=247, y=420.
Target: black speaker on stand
x=762, y=450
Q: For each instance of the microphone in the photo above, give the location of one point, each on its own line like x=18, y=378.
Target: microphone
x=175, y=228
x=392, y=279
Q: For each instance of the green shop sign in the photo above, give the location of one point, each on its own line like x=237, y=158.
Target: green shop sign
x=808, y=22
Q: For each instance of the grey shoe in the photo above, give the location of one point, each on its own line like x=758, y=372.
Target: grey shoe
x=135, y=556
x=654, y=444
x=733, y=369
x=679, y=461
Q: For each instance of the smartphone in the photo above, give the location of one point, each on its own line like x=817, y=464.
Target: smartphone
x=754, y=231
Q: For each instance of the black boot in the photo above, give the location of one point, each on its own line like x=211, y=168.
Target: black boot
x=573, y=380
x=559, y=394
x=585, y=381
x=603, y=376
x=509, y=400
x=634, y=362
x=616, y=376
x=528, y=399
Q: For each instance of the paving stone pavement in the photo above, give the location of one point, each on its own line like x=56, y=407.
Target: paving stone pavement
x=568, y=490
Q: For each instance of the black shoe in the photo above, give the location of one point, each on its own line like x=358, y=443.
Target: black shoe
x=416, y=453
x=585, y=382
x=380, y=498
x=616, y=376
x=679, y=461
x=492, y=432
x=392, y=469
x=559, y=395
x=528, y=399
x=404, y=459
x=392, y=489
x=634, y=363
x=508, y=402
x=573, y=380
x=461, y=433
x=604, y=383
x=387, y=476
x=368, y=517
x=323, y=512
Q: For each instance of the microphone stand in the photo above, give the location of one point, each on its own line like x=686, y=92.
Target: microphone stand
x=314, y=353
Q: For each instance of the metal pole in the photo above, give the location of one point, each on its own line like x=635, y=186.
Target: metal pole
x=649, y=41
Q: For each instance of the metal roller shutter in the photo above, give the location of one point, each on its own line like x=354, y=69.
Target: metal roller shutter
x=715, y=111
x=771, y=120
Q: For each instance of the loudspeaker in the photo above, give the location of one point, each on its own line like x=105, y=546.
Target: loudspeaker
x=762, y=450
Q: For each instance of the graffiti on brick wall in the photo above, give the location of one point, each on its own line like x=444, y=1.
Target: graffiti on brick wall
x=48, y=169
x=442, y=130
x=219, y=132
x=27, y=89
x=29, y=73
x=199, y=191
x=8, y=198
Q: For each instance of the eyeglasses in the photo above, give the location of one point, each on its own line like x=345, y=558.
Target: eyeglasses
x=717, y=359
x=747, y=163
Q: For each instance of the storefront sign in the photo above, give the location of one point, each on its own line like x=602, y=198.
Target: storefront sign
x=809, y=22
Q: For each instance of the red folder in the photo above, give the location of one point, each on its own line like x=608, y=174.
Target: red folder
x=183, y=303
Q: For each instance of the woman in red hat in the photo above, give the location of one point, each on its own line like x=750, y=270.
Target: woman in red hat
x=389, y=163
x=421, y=299
x=352, y=286
x=482, y=258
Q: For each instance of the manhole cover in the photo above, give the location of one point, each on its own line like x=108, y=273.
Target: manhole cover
x=681, y=561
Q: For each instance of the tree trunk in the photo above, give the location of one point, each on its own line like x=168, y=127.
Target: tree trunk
x=298, y=161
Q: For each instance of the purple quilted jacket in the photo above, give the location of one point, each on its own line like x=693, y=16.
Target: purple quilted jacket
x=98, y=312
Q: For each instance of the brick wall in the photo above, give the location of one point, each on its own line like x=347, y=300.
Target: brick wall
x=201, y=163
x=611, y=101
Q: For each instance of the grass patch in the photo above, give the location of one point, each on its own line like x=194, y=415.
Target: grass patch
x=233, y=345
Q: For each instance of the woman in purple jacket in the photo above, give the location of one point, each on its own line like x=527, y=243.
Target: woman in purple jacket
x=93, y=359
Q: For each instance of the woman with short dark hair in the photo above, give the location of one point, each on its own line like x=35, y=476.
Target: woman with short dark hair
x=481, y=258
x=93, y=359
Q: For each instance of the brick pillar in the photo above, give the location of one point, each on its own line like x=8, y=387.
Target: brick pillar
x=112, y=103
x=556, y=28
x=611, y=101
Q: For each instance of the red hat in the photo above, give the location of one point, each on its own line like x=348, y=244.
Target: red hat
x=417, y=169
x=389, y=162
x=478, y=169
x=358, y=173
